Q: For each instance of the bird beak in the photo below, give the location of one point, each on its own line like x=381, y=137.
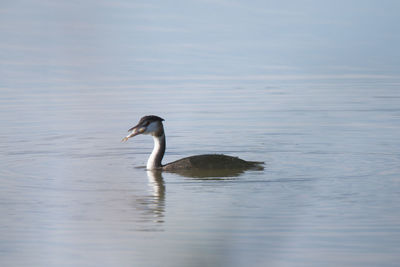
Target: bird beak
x=135, y=131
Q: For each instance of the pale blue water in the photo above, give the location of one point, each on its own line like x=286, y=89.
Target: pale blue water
x=73, y=81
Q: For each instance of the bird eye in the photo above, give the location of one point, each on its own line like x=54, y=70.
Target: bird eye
x=146, y=123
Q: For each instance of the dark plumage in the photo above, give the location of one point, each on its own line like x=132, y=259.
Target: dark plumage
x=210, y=161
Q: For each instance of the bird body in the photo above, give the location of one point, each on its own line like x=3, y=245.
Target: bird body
x=209, y=162
x=152, y=125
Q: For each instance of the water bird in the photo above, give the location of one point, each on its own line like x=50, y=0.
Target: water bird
x=152, y=125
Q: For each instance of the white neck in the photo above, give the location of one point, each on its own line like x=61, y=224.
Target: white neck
x=154, y=161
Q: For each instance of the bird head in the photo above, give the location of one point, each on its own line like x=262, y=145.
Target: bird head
x=147, y=125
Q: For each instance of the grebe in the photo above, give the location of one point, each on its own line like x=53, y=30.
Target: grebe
x=153, y=125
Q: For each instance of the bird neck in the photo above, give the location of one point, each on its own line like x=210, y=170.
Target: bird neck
x=154, y=161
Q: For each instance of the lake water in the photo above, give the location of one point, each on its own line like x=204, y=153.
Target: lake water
x=71, y=194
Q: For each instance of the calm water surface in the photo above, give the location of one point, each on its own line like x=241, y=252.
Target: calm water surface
x=71, y=194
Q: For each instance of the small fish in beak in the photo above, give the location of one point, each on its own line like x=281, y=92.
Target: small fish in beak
x=135, y=131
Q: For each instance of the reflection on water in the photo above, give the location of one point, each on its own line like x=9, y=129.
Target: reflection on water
x=156, y=183
x=209, y=174
x=150, y=202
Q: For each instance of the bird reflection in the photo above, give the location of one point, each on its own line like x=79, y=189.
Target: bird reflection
x=201, y=174
x=154, y=204
x=156, y=183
